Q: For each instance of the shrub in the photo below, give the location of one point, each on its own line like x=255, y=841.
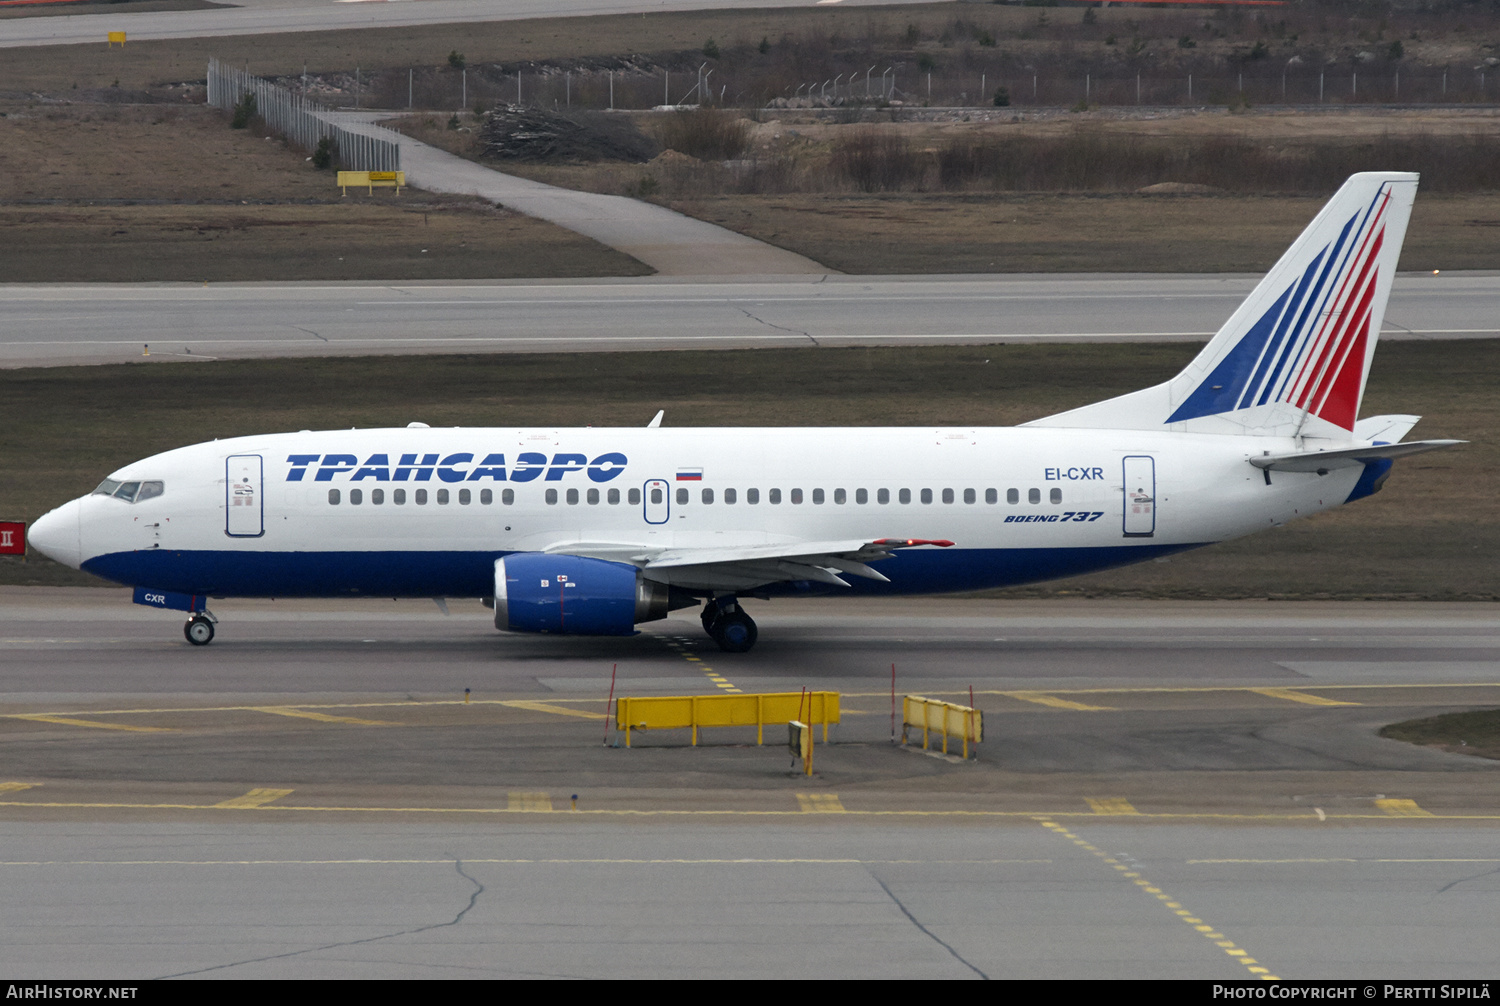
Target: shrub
x=322, y=157
x=875, y=161
x=244, y=111
x=705, y=133
x=765, y=45
x=456, y=60
x=711, y=49
x=1002, y=97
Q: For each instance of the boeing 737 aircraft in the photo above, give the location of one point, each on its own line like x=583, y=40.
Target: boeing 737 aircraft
x=592, y=531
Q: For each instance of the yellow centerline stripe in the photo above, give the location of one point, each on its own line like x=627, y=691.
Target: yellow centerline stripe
x=251, y=800
x=1229, y=947
x=556, y=710
x=627, y=812
x=308, y=714
x=1292, y=695
x=524, y=862
x=69, y=721
x=1044, y=699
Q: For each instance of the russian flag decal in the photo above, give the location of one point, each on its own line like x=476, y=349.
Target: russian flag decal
x=690, y=475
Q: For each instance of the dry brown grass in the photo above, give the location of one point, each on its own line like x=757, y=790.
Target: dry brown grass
x=916, y=233
x=153, y=192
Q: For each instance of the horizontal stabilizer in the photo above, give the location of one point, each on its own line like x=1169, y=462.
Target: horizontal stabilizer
x=1349, y=457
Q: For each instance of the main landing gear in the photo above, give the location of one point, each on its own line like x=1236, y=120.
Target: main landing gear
x=199, y=629
x=728, y=624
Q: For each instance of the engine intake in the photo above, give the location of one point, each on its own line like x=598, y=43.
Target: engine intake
x=576, y=596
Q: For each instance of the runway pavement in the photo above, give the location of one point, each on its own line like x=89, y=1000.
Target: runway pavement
x=101, y=323
x=265, y=17
x=1179, y=789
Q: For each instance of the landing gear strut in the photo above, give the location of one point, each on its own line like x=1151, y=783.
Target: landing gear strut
x=199, y=629
x=729, y=625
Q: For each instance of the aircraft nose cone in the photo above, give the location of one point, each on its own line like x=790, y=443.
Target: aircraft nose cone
x=55, y=535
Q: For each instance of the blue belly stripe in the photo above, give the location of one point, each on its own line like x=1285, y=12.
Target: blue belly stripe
x=471, y=574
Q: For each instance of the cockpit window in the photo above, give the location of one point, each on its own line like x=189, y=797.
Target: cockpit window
x=130, y=492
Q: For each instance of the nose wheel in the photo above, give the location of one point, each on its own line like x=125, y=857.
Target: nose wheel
x=199, y=630
x=729, y=625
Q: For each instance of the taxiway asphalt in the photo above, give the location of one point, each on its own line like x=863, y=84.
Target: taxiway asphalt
x=103, y=323
x=1178, y=789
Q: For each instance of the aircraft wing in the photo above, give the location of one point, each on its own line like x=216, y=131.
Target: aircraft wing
x=1349, y=457
x=745, y=567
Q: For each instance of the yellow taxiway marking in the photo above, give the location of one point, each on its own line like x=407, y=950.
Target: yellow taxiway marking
x=1403, y=808
x=521, y=800
x=15, y=787
x=1172, y=690
x=991, y=815
x=1286, y=862
x=1111, y=805
x=254, y=798
x=548, y=707
x=718, y=679
x=744, y=861
x=1045, y=699
x=820, y=803
x=1292, y=695
x=69, y=721
x=1147, y=887
x=308, y=714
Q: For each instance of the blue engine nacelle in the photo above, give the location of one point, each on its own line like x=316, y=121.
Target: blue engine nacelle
x=574, y=596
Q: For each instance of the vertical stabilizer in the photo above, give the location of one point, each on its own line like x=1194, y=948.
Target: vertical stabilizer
x=1292, y=360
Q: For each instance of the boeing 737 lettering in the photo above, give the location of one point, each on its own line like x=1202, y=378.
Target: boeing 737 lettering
x=594, y=531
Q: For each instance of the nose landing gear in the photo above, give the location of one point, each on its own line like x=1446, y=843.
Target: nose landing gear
x=199, y=629
x=728, y=624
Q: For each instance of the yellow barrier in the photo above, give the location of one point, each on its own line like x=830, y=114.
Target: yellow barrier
x=370, y=179
x=668, y=712
x=944, y=717
x=115, y=36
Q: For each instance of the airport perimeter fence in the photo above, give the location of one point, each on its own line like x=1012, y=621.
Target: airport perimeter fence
x=296, y=118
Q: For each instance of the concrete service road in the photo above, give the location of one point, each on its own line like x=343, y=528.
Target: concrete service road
x=1167, y=789
x=49, y=325
x=266, y=17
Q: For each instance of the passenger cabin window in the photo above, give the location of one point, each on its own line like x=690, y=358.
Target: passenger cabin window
x=508, y=497
x=1012, y=496
x=572, y=497
x=377, y=497
x=969, y=496
x=682, y=496
x=752, y=496
x=708, y=495
x=926, y=495
x=613, y=496
x=593, y=497
x=1056, y=495
x=904, y=496
x=947, y=495
x=333, y=497
x=356, y=497
x=551, y=497
x=421, y=497
x=992, y=496
x=1033, y=496
x=486, y=497
x=773, y=495
x=398, y=497
x=797, y=496
x=729, y=496
x=634, y=498
x=818, y=497
x=882, y=496
x=442, y=497
x=464, y=497
x=861, y=496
